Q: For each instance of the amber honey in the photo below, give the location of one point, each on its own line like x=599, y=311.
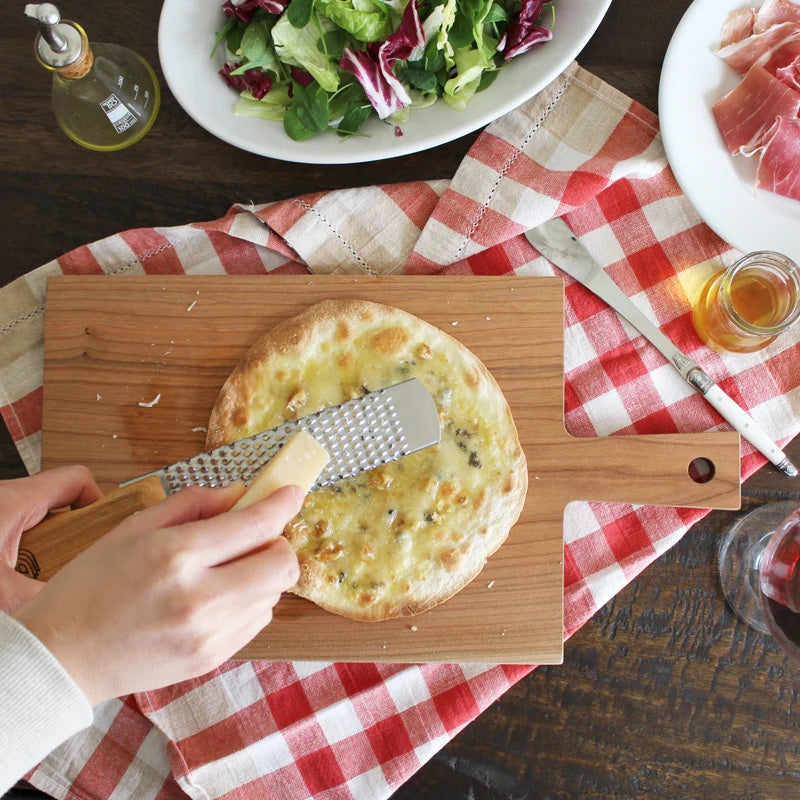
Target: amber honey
x=744, y=307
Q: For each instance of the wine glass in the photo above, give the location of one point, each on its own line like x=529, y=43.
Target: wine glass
x=759, y=566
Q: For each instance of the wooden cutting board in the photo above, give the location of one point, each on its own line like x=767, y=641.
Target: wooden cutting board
x=113, y=344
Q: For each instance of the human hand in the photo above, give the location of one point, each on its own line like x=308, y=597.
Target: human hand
x=24, y=502
x=170, y=593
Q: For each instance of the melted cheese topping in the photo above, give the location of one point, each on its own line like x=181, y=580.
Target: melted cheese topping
x=372, y=545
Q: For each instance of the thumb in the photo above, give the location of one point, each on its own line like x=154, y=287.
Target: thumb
x=16, y=589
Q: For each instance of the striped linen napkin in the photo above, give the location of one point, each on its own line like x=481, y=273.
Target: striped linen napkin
x=323, y=730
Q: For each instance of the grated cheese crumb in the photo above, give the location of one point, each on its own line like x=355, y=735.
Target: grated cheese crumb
x=490, y=584
x=192, y=305
x=152, y=403
x=454, y=323
x=200, y=429
x=113, y=435
x=414, y=628
x=99, y=396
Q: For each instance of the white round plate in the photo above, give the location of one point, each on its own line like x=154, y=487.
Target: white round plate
x=186, y=33
x=719, y=186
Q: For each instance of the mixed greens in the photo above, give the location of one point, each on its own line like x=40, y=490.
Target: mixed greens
x=319, y=64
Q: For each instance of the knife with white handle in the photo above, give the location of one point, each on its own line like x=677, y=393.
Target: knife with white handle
x=559, y=245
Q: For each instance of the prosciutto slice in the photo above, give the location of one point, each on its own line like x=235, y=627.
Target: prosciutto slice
x=782, y=56
x=761, y=116
x=779, y=166
x=738, y=26
x=760, y=47
x=790, y=74
x=748, y=112
x=774, y=12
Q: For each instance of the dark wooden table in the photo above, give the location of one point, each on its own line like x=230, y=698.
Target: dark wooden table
x=663, y=693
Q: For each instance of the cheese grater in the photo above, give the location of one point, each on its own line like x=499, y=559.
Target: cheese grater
x=359, y=435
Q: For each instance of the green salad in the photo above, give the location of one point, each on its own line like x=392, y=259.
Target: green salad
x=320, y=64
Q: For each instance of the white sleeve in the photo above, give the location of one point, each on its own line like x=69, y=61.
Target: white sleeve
x=40, y=705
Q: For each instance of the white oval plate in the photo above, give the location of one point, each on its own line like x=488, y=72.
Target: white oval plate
x=186, y=33
x=719, y=186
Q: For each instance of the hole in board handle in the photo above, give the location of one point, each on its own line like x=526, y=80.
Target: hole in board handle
x=701, y=470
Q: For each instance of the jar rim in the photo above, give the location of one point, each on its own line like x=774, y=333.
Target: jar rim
x=790, y=270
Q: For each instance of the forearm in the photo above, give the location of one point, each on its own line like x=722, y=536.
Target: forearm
x=40, y=705
x=168, y=595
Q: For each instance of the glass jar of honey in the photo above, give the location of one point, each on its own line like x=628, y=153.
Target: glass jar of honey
x=744, y=307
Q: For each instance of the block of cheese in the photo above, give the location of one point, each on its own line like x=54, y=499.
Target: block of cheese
x=299, y=463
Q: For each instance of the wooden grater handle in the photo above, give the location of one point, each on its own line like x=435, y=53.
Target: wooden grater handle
x=61, y=536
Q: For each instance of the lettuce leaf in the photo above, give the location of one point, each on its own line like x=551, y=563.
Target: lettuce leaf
x=304, y=47
x=272, y=106
x=449, y=10
x=470, y=64
x=363, y=20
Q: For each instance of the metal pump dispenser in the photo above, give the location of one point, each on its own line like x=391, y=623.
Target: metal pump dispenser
x=105, y=96
x=58, y=44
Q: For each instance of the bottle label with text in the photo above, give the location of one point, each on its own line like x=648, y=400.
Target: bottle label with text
x=119, y=115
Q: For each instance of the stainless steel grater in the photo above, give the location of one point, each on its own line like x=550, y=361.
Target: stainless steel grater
x=359, y=435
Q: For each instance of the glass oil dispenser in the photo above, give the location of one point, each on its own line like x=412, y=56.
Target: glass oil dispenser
x=104, y=96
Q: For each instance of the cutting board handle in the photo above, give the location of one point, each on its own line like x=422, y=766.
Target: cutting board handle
x=62, y=535
x=654, y=469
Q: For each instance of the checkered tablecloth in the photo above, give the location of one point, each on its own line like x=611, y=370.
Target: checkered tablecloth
x=322, y=730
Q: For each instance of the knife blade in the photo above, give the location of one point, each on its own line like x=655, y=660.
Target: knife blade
x=361, y=434
x=558, y=244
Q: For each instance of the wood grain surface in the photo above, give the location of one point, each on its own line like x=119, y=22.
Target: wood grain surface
x=663, y=693
x=181, y=336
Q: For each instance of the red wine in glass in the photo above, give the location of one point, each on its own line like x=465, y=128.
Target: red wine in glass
x=779, y=572
x=759, y=564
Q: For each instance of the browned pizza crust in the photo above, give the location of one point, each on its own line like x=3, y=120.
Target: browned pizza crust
x=403, y=538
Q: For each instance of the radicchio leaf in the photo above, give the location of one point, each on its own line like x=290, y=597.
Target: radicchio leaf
x=245, y=9
x=524, y=33
x=255, y=81
x=384, y=91
x=301, y=76
x=401, y=43
x=373, y=67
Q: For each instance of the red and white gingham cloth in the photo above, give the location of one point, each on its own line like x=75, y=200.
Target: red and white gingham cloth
x=320, y=730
